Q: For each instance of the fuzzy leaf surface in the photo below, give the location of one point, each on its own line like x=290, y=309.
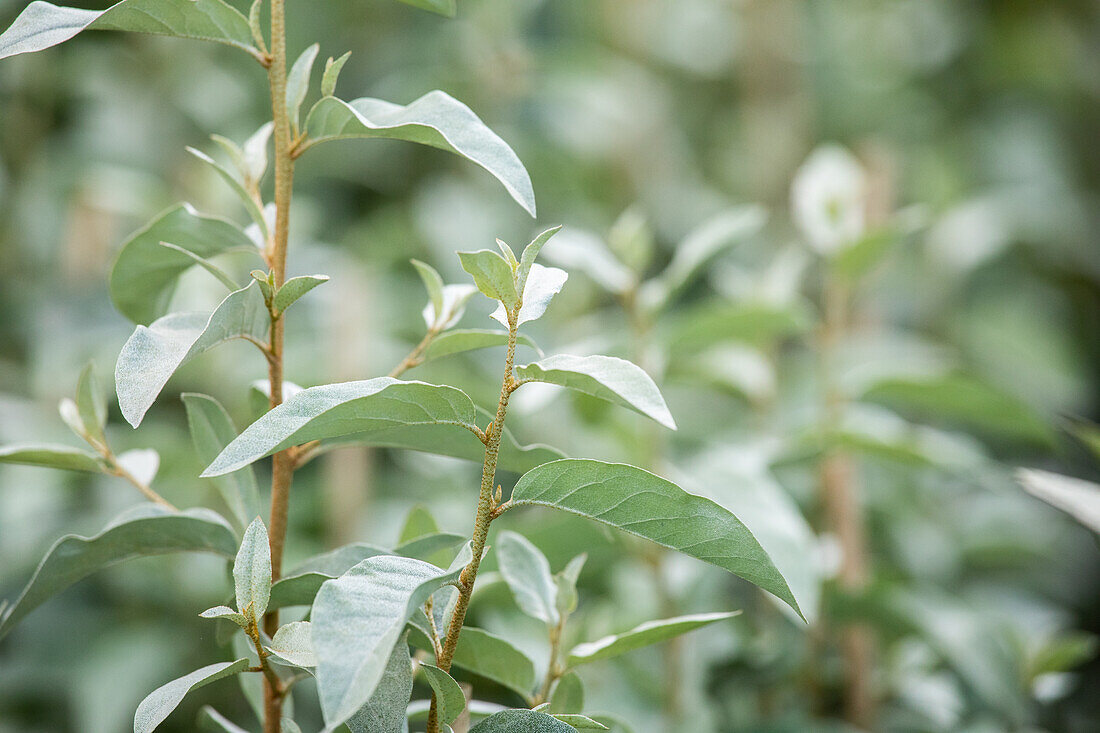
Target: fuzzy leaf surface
x=160, y=703
x=450, y=700
x=650, y=632
x=522, y=721
x=527, y=572
x=385, y=711
x=52, y=456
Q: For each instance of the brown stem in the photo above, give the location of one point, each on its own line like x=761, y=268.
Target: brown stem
x=416, y=356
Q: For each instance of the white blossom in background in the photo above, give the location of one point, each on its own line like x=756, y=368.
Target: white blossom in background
x=828, y=199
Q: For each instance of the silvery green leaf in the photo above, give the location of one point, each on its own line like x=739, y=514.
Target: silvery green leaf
x=527, y=572
x=607, y=377
x=144, y=274
x=580, y=250
x=426, y=547
x=385, y=711
x=492, y=274
x=418, y=523
x=293, y=644
x=254, y=154
x=649, y=506
x=210, y=719
x=211, y=430
x=141, y=463
x=494, y=658
x=650, y=632
x=160, y=703
x=580, y=722
x=527, y=260
x=358, y=618
x=299, y=587
x=255, y=24
x=297, y=84
x=227, y=613
x=449, y=699
x=52, y=456
x=70, y=415
x=543, y=284
x=470, y=339
x=295, y=288
x=259, y=394
x=333, y=67
x=566, y=585
x=522, y=721
x=567, y=695
x=347, y=408
x=153, y=353
x=43, y=24
x=1076, y=497
x=454, y=302
x=435, y=119
x=442, y=7
x=91, y=403
x=433, y=283
x=286, y=725
x=478, y=709
x=219, y=274
x=252, y=572
x=148, y=529
x=508, y=254
x=238, y=187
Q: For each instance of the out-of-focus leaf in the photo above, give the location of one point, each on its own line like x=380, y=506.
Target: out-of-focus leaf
x=492, y=274
x=346, y=408
x=358, y=618
x=580, y=250
x=496, y=659
x=295, y=288
x=211, y=720
x=385, y=711
x=542, y=285
x=293, y=644
x=212, y=430
x=43, y=24
x=449, y=700
x=1089, y=434
x=91, y=403
x=469, y=339
x=522, y=721
x=286, y=725
x=250, y=204
x=162, y=701
x=1076, y=497
x=607, y=377
x=52, y=456
x=333, y=67
x=254, y=154
x=433, y=283
x=141, y=463
x=218, y=273
x=647, y=505
x=144, y=530
x=435, y=119
x=144, y=274
x=758, y=324
x=527, y=260
x=252, y=571
x=297, y=84
x=442, y=7
x=568, y=694
x=153, y=353
x=426, y=547
x=455, y=298
x=566, y=583
x=418, y=523
x=527, y=572
x=650, y=632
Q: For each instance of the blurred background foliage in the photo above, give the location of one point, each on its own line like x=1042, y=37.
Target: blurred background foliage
x=973, y=336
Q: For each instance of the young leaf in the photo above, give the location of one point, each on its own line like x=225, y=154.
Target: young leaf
x=435, y=119
x=332, y=74
x=348, y=408
x=299, y=587
x=650, y=632
x=42, y=25
x=1080, y=499
x=454, y=301
x=508, y=254
x=385, y=711
x=238, y=187
x=255, y=24
x=527, y=572
x=293, y=644
x=449, y=700
x=297, y=84
x=566, y=584
x=162, y=701
x=144, y=274
x=252, y=572
x=70, y=415
x=471, y=339
x=358, y=618
x=141, y=463
x=530, y=252
x=419, y=523
x=153, y=353
x=542, y=284
x=211, y=430
x=227, y=613
x=433, y=283
x=442, y=7
x=52, y=456
x=295, y=288
x=254, y=154
x=649, y=506
x=568, y=695
x=522, y=721
x=219, y=274
x=90, y=403
x=148, y=529
x=606, y=377
x=492, y=274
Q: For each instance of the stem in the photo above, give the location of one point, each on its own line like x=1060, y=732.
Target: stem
x=118, y=470
x=416, y=356
x=553, y=670
x=282, y=467
x=486, y=506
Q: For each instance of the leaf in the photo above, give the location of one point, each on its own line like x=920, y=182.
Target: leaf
x=607, y=377
x=576, y=249
x=252, y=572
x=568, y=694
x=144, y=273
x=286, y=725
x=527, y=573
x=70, y=415
x=419, y=523
x=148, y=529
x=492, y=274
x=254, y=154
x=542, y=285
x=455, y=298
x=332, y=74
x=470, y=339
x=297, y=84
x=90, y=403
x=521, y=721
x=346, y=408
x=442, y=7
x=227, y=613
x=250, y=204
x=52, y=456
x=649, y=506
x=295, y=288
x=300, y=586
x=142, y=463
x=427, y=546
x=358, y=618
x=433, y=283
x=385, y=711
x=449, y=699
x=527, y=260
x=435, y=119
x=162, y=701
x=580, y=722
x=1080, y=499
x=42, y=25
x=293, y=644
x=211, y=430
x=566, y=584
x=153, y=353
x=218, y=273
x=211, y=719
x=496, y=659
x=650, y=632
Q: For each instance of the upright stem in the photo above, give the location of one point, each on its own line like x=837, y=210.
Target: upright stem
x=282, y=470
